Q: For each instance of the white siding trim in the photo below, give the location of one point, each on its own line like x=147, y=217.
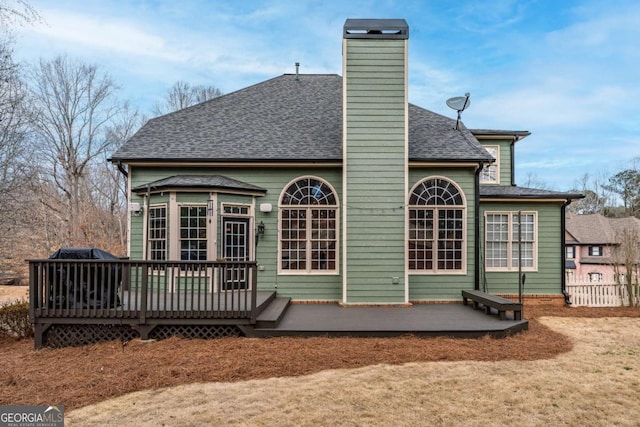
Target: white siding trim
x=174, y=226
x=129, y=194
x=345, y=208
x=406, y=170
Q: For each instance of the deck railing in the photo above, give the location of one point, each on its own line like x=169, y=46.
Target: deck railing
x=142, y=290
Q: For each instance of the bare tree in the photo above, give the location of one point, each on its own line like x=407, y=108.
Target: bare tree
x=597, y=197
x=533, y=181
x=19, y=237
x=16, y=12
x=626, y=261
x=108, y=185
x=183, y=95
x=626, y=184
x=73, y=104
x=15, y=168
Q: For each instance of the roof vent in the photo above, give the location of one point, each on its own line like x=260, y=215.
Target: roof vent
x=376, y=29
x=297, y=71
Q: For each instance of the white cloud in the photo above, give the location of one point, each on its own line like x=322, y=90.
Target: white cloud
x=108, y=34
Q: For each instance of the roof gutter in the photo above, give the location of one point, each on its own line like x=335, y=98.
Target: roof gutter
x=122, y=170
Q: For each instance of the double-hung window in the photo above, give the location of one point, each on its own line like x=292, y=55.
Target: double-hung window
x=509, y=238
x=157, y=233
x=193, y=233
x=308, y=227
x=595, y=251
x=570, y=252
x=437, y=227
x=490, y=173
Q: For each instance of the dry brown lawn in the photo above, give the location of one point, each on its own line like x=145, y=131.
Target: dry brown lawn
x=13, y=293
x=573, y=367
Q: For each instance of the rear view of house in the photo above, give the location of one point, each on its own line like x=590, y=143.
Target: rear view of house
x=358, y=196
x=338, y=190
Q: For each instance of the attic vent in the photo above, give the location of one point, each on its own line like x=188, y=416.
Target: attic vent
x=376, y=29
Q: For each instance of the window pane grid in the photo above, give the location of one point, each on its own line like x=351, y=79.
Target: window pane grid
x=502, y=247
x=489, y=173
x=294, y=229
x=308, y=227
x=193, y=233
x=436, y=229
x=450, y=239
x=157, y=236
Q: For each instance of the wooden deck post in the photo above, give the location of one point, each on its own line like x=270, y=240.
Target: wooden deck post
x=144, y=294
x=254, y=292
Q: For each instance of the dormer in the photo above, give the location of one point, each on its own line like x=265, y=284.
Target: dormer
x=501, y=145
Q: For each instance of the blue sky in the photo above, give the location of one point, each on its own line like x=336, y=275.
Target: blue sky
x=568, y=71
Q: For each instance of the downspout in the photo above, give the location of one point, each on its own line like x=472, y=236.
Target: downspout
x=563, y=256
x=122, y=170
x=476, y=249
x=513, y=159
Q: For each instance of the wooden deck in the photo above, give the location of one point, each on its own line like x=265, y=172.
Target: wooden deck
x=76, y=302
x=452, y=320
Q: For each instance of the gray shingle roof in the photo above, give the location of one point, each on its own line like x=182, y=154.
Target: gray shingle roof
x=208, y=182
x=515, y=192
x=596, y=229
x=592, y=229
x=283, y=119
x=625, y=225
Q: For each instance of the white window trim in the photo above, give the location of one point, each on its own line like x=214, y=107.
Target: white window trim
x=248, y=206
x=510, y=267
x=600, y=248
x=166, y=231
x=175, y=232
x=463, y=207
x=573, y=252
x=308, y=271
x=495, y=164
x=250, y=215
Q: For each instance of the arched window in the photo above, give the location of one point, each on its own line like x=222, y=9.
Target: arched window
x=308, y=227
x=437, y=227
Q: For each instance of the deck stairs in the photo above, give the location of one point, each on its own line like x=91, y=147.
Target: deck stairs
x=273, y=311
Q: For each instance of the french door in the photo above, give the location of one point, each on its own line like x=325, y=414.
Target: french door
x=235, y=248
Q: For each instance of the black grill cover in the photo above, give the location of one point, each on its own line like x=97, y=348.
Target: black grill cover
x=84, y=285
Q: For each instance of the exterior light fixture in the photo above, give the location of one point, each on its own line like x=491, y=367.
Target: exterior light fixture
x=259, y=232
x=135, y=208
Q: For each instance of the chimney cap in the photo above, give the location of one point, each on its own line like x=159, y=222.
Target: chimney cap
x=376, y=29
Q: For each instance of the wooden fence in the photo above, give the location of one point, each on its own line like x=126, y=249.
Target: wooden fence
x=604, y=292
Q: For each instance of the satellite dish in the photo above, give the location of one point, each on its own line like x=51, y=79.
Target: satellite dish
x=459, y=103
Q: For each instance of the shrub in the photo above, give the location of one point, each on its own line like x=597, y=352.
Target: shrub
x=14, y=319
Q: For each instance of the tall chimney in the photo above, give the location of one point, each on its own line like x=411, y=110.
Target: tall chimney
x=375, y=161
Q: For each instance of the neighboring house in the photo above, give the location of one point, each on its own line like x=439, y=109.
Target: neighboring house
x=595, y=243
x=341, y=190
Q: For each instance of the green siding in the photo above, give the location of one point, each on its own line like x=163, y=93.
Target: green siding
x=504, y=160
x=375, y=158
x=298, y=286
x=447, y=286
x=547, y=280
x=505, y=163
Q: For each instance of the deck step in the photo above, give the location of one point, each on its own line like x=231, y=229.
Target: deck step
x=273, y=313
